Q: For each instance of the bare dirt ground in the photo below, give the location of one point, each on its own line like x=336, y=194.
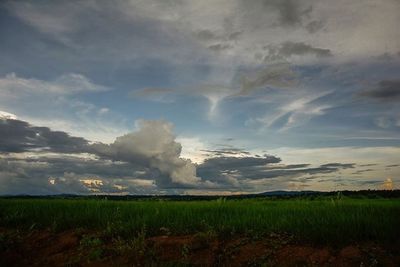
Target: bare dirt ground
x=83, y=248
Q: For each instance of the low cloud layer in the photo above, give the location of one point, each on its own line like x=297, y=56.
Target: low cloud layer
x=20, y=136
x=234, y=170
x=38, y=160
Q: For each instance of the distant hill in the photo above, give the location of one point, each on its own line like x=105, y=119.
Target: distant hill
x=269, y=194
x=290, y=193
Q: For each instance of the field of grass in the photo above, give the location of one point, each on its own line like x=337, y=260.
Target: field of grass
x=325, y=220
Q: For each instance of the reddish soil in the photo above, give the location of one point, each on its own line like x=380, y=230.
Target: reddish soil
x=80, y=248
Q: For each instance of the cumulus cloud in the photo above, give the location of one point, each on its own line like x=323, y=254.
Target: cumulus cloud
x=7, y=115
x=153, y=146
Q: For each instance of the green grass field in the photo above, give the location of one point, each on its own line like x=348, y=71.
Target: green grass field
x=323, y=220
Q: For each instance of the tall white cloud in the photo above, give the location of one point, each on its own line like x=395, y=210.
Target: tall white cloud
x=153, y=145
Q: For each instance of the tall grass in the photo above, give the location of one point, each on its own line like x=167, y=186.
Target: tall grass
x=324, y=220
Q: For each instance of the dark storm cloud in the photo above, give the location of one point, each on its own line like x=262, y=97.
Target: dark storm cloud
x=367, y=165
x=44, y=175
x=261, y=173
x=392, y=165
x=228, y=171
x=338, y=165
x=90, y=166
x=20, y=136
x=362, y=171
x=226, y=151
x=69, y=174
x=375, y=182
x=236, y=162
x=22, y=177
x=237, y=169
x=386, y=90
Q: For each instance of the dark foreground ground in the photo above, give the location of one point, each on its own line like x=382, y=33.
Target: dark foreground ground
x=80, y=248
x=318, y=230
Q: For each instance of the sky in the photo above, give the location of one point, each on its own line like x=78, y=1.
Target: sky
x=198, y=97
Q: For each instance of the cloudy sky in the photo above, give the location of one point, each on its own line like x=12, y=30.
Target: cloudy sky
x=199, y=97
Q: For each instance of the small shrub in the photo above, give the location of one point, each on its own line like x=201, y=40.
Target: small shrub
x=90, y=242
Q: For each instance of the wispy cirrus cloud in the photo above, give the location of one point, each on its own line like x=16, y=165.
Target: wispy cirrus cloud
x=13, y=86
